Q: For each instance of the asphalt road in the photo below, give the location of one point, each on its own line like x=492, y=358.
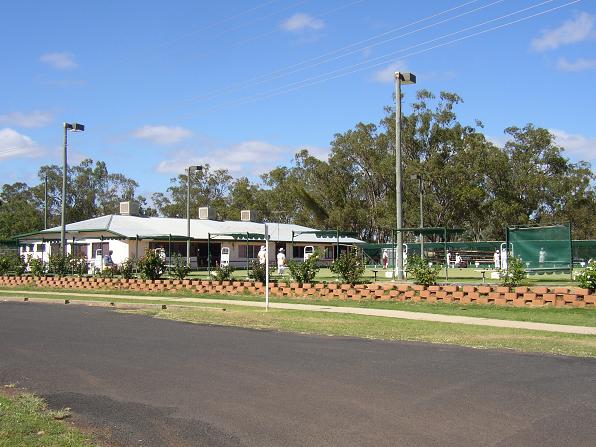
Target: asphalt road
x=138, y=381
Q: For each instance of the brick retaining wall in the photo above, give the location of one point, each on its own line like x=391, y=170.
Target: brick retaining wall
x=520, y=296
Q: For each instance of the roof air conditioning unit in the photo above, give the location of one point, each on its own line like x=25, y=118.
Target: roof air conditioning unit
x=207, y=213
x=130, y=208
x=248, y=216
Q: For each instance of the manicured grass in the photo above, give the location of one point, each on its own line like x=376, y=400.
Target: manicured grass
x=25, y=421
x=383, y=328
x=570, y=316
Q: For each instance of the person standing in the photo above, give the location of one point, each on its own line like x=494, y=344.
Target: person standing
x=281, y=262
x=107, y=259
x=497, y=258
x=457, y=260
x=385, y=258
x=262, y=255
x=541, y=257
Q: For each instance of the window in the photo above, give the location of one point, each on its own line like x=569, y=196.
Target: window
x=40, y=248
x=103, y=246
x=248, y=251
x=80, y=250
x=298, y=252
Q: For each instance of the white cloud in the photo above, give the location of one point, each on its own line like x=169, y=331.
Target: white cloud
x=246, y=158
x=300, y=22
x=162, y=134
x=571, y=31
x=319, y=152
x=16, y=145
x=576, y=146
x=387, y=74
x=497, y=141
x=59, y=61
x=33, y=119
x=580, y=64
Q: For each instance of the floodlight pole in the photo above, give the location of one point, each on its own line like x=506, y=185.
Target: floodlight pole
x=190, y=170
x=45, y=202
x=266, y=267
x=406, y=78
x=75, y=127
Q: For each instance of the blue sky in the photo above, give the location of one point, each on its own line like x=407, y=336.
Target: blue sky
x=244, y=84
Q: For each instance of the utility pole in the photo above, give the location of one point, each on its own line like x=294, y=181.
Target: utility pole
x=74, y=127
x=45, y=207
x=406, y=78
x=190, y=170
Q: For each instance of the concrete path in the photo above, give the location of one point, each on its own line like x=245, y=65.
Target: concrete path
x=421, y=316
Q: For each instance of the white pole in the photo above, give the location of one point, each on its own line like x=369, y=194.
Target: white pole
x=266, y=267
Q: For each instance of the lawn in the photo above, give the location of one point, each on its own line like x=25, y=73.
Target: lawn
x=305, y=322
x=25, y=421
x=569, y=316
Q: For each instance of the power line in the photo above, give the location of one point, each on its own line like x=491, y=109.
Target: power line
x=283, y=73
x=268, y=33
x=11, y=150
x=365, y=66
x=276, y=74
x=214, y=24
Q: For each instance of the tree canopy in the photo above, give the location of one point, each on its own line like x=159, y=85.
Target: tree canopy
x=468, y=182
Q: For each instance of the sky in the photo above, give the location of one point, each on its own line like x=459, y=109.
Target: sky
x=243, y=85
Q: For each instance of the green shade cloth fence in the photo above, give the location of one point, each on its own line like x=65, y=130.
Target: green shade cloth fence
x=547, y=248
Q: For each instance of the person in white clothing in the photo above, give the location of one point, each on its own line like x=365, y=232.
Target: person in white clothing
x=497, y=258
x=385, y=258
x=457, y=260
x=541, y=256
x=281, y=262
x=262, y=255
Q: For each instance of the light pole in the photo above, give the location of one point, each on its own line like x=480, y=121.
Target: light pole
x=405, y=78
x=190, y=170
x=74, y=127
x=45, y=202
x=420, y=190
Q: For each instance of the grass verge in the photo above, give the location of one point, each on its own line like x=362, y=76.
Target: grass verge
x=569, y=316
x=305, y=322
x=26, y=421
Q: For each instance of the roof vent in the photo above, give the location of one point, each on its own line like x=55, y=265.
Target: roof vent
x=207, y=213
x=248, y=216
x=130, y=208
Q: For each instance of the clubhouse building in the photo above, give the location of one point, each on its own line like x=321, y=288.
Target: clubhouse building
x=129, y=235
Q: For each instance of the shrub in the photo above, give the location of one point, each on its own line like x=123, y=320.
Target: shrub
x=37, y=267
x=514, y=274
x=180, y=269
x=587, y=277
x=224, y=273
x=5, y=264
x=258, y=272
x=423, y=273
x=305, y=271
x=19, y=265
x=59, y=264
x=152, y=265
x=109, y=271
x=349, y=266
x=127, y=268
x=78, y=265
